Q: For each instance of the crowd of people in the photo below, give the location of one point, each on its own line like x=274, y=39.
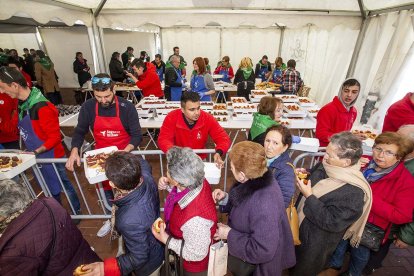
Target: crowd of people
x=346, y=195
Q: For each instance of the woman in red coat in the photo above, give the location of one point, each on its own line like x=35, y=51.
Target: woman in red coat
x=392, y=195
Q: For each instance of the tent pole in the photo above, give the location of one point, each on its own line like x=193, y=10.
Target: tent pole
x=357, y=49
x=40, y=42
x=221, y=44
x=282, y=35
x=94, y=35
x=99, y=8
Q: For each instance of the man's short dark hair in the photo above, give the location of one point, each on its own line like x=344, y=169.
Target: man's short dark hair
x=32, y=50
x=78, y=53
x=291, y=63
x=139, y=63
x=158, y=56
x=40, y=53
x=265, y=57
x=351, y=82
x=129, y=48
x=15, y=62
x=10, y=74
x=25, y=49
x=189, y=97
x=176, y=47
x=124, y=170
x=100, y=86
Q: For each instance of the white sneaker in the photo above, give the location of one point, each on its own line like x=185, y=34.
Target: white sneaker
x=105, y=229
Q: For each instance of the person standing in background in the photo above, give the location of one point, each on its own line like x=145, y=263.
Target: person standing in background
x=46, y=78
x=15, y=64
x=146, y=78
x=81, y=68
x=202, y=83
x=28, y=65
x=290, y=79
x=278, y=71
x=224, y=68
x=174, y=81
x=244, y=78
x=9, y=134
x=263, y=69
x=183, y=63
x=400, y=113
x=115, y=68
x=159, y=66
x=126, y=56
x=208, y=67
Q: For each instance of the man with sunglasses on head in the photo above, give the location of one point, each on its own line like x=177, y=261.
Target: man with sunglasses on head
x=113, y=121
x=39, y=128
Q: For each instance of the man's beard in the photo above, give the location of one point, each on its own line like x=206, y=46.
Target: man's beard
x=107, y=105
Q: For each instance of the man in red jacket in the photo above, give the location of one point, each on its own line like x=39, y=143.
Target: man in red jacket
x=190, y=127
x=400, y=113
x=148, y=80
x=9, y=134
x=338, y=115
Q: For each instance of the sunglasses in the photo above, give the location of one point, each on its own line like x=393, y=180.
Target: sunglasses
x=103, y=80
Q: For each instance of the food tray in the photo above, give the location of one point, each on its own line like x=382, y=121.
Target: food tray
x=294, y=109
x=212, y=173
x=221, y=113
x=95, y=175
x=369, y=132
x=153, y=103
x=28, y=160
x=259, y=93
x=244, y=108
x=221, y=118
x=217, y=76
x=219, y=106
x=284, y=122
x=206, y=105
x=305, y=101
x=144, y=111
x=306, y=144
x=288, y=98
x=160, y=117
x=238, y=100
x=242, y=116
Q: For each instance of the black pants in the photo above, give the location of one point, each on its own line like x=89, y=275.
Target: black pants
x=376, y=258
x=54, y=97
x=11, y=145
x=167, y=93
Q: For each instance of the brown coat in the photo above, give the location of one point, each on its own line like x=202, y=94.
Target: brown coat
x=46, y=78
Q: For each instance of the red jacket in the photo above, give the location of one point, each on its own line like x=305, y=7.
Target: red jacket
x=175, y=132
x=400, y=113
x=28, y=79
x=229, y=69
x=8, y=119
x=149, y=82
x=333, y=118
x=201, y=206
x=392, y=198
x=45, y=123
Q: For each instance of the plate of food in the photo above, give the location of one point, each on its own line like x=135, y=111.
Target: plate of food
x=12, y=164
x=238, y=100
x=206, y=105
x=288, y=98
x=305, y=101
x=94, y=163
x=155, y=103
x=294, y=109
x=220, y=106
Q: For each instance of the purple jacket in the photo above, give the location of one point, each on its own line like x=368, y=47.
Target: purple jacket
x=260, y=231
x=26, y=244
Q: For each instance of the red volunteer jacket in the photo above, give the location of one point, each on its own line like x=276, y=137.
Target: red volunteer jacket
x=392, y=199
x=400, y=113
x=175, y=132
x=333, y=118
x=149, y=82
x=202, y=206
x=8, y=119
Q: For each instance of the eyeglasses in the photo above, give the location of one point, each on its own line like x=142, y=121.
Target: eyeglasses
x=387, y=153
x=103, y=80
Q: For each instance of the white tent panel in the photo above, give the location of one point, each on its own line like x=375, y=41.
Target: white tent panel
x=382, y=4
x=18, y=41
x=62, y=45
x=118, y=41
x=193, y=42
x=253, y=43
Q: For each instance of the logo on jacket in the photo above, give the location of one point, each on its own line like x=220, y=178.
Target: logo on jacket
x=23, y=134
x=199, y=135
x=110, y=133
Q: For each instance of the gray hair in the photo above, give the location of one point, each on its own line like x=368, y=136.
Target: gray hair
x=173, y=57
x=185, y=167
x=348, y=146
x=13, y=197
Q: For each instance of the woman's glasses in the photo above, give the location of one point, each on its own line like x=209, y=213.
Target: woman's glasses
x=387, y=153
x=104, y=80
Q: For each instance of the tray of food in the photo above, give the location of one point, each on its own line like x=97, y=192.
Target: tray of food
x=144, y=111
x=288, y=98
x=294, y=109
x=212, y=173
x=284, y=122
x=250, y=108
x=12, y=164
x=268, y=85
x=206, y=105
x=238, y=100
x=229, y=105
x=313, y=111
x=153, y=103
x=369, y=133
x=224, y=113
x=305, y=101
x=221, y=119
x=94, y=163
x=242, y=116
x=220, y=106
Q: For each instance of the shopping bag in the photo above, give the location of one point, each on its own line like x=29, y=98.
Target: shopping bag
x=293, y=219
x=217, y=262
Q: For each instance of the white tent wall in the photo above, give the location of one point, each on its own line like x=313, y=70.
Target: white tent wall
x=62, y=45
x=322, y=57
x=193, y=42
x=18, y=41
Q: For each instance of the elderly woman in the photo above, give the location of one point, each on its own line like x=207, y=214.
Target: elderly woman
x=278, y=140
x=258, y=234
x=334, y=205
x=270, y=111
x=189, y=211
x=38, y=236
x=392, y=195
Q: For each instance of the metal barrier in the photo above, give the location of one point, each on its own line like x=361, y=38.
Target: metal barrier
x=102, y=201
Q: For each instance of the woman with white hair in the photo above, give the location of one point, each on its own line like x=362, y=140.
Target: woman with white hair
x=38, y=236
x=189, y=211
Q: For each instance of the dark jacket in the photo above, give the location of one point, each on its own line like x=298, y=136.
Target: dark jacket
x=134, y=218
x=116, y=70
x=239, y=77
x=27, y=247
x=285, y=176
x=326, y=221
x=260, y=232
x=171, y=78
x=79, y=68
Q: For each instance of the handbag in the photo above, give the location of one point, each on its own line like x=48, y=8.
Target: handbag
x=173, y=264
x=292, y=215
x=238, y=267
x=372, y=236
x=217, y=260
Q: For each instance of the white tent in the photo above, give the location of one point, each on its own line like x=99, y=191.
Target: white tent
x=371, y=40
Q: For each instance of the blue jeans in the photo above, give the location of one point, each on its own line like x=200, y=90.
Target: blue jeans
x=72, y=196
x=359, y=257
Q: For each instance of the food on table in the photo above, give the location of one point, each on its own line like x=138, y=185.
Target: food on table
x=219, y=107
x=313, y=110
x=367, y=133
x=284, y=123
x=157, y=224
x=97, y=161
x=259, y=93
x=239, y=100
x=221, y=119
x=270, y=85
x=7, y=162
x=305, y=100
x=250, y=106
x=122, y=84
x=292, y=107
x=153, y=102
x=80, y=271
x=206, y=103
x=220, y=113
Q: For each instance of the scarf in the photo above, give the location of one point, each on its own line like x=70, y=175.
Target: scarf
x=247, y=72
x=46, y=62
x=35, y=97
x=270, y=160
x=171, y=200
x=372, y=175
x=338, y=177
x=6, y=222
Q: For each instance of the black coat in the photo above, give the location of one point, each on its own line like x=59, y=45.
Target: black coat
x=326, y=221
x=116, y=70
x=79, y=68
